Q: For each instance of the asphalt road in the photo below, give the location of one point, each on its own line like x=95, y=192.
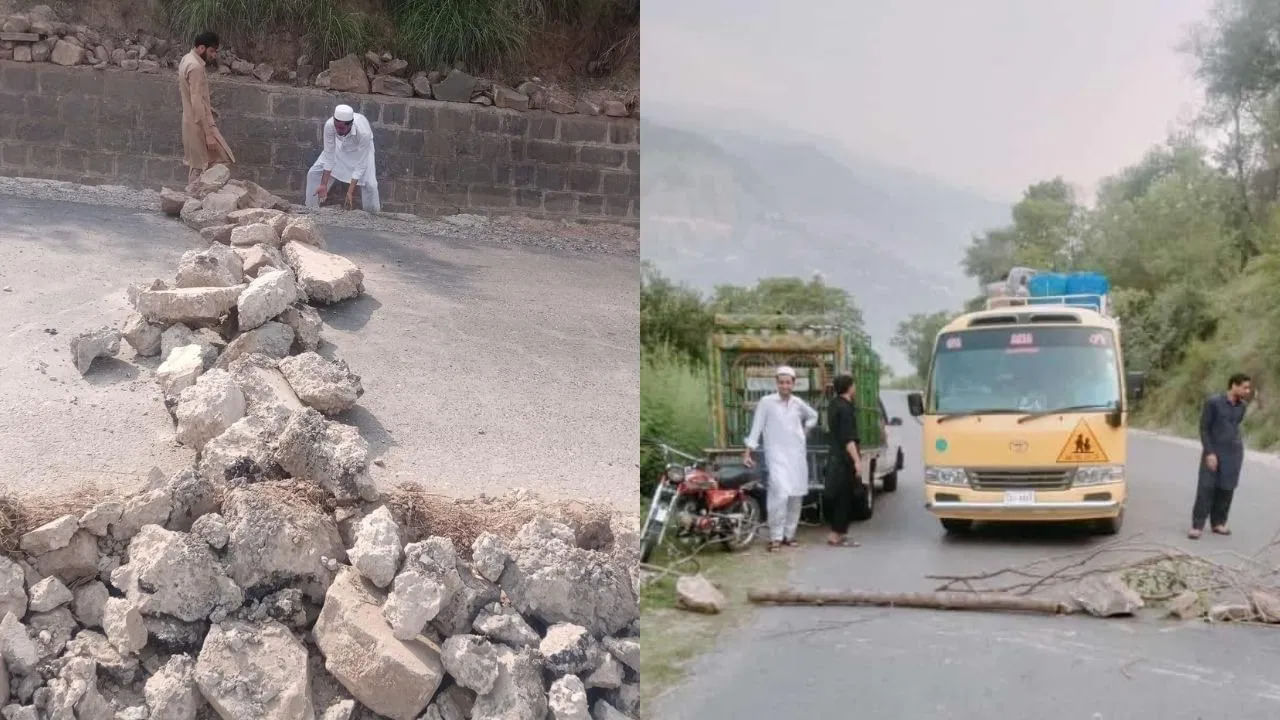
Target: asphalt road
x=797, y=662
x=486, y=367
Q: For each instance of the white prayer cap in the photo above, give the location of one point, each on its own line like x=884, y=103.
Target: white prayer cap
x=786, y=370
x=343, y=113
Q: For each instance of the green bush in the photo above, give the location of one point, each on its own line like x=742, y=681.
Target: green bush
x=673, y=410
x=331, y=31
x=478, y=32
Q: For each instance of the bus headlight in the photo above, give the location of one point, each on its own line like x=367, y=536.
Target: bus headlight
x=1098, y=474
x=946, y=476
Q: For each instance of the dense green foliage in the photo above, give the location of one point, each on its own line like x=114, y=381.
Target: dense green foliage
x=675, y=327
x=1188, y=235
x=428, y=33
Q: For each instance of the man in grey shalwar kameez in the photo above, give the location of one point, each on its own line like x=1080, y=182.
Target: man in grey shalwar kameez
x=1222, y=456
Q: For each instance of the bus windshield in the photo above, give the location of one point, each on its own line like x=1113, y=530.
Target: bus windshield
x=1025, y=369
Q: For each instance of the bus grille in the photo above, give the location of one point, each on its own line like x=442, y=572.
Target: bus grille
x=1020, y=479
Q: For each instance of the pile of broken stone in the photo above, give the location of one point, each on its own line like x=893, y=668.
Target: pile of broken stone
x=38, y=36
x=229, y=590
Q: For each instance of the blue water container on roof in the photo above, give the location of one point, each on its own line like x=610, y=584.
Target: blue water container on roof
x=1093, y=284
x=1046, y=285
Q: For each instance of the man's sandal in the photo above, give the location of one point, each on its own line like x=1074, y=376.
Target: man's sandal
x=1223, y=530
x=843, y=542
x=1193, y=534
x=773, y=546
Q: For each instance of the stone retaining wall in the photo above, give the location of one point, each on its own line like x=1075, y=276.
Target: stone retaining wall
x=113, y=126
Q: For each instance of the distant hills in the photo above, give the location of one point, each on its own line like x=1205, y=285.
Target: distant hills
x=732, y=200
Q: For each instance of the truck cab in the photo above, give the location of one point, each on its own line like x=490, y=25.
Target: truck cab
x=1025, y=413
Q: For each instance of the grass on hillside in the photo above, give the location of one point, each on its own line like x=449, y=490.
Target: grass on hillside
x=673, y=409
x=1247, y=340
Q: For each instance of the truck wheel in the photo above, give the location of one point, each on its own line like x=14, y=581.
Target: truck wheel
x=956, y=526
x=889, y=482
x=1110, y=526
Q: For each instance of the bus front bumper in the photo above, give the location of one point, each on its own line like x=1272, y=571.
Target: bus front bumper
x=1086, y=503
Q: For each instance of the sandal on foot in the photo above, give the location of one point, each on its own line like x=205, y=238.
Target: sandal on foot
x=773, y=547
x=843, y=542
x=1194, y=534
x=1222, y=530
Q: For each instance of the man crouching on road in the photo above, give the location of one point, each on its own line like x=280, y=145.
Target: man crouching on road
x=202, y=143
x=785, y=420
x=348, y=158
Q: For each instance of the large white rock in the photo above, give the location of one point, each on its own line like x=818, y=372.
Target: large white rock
x=48, y=594
x=250, y=216
x=180, y=370
x=122, y=621
x=274, y=544
x=259, y=233
x=329, y=454
x=248, y=671
x=304, y=230
x=518, y=693
x=16, y=647
x=13, y=595
x=415, y=600
x=324, y=277
x=270, y=294
x=471, y=661
x=212, y=180
x=272, y=339
x=172, y=693
x=179, y=335
x=326, y=386
x=394, y=678
x=267, y=393
x=377, y=551
x=88, y=346
x=89, y=603
x=208, y=408
x=568, y=699
x=547, y=571
x=171, y=573
x=142, y=336
x=192, y=306
x=306, y=323
x=76, y=561
x=244, y=450
x=50, y=536
x=261, y=258
x=216, y=267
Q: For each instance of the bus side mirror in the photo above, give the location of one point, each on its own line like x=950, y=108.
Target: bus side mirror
x=915, y=404
x=1135, y=384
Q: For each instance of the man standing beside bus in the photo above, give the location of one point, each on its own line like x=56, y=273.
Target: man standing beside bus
x=842, y=465
x=1222, y=455
x=785, y=420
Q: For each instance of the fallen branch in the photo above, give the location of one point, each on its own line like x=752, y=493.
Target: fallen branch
x=931, y=600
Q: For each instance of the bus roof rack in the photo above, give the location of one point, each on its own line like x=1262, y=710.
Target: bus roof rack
x=1095, y=302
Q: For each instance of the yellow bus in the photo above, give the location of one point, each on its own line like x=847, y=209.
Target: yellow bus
x=1024, y=415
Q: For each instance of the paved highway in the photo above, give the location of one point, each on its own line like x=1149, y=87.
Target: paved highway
x=799, y=662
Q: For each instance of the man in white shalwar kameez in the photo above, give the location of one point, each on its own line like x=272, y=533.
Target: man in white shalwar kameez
x=347, y=157
x=785, y=420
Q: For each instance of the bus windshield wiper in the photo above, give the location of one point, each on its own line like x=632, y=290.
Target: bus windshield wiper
x=1055, y=411
x=971, y=413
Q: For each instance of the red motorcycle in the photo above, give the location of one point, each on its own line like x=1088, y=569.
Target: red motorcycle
x=692, y=507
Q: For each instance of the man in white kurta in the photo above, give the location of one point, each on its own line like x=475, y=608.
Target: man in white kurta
x=784, y=420
x=347, y=157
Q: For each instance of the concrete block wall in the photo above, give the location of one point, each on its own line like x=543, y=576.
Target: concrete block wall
x=120, y=127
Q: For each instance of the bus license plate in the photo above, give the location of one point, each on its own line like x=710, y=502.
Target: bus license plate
x=1019, y=497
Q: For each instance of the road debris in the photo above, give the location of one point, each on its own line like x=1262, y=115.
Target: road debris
x=271, y=578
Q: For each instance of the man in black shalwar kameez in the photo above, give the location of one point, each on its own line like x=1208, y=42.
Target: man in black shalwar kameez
x=1222, y=456
x=842, y=462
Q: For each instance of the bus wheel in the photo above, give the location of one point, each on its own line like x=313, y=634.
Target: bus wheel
x=1110, y=526
x=956, y=526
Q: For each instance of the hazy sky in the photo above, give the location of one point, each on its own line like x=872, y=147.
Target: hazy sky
x=989, y=94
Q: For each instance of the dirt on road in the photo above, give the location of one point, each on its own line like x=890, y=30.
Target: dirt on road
x=489, y=363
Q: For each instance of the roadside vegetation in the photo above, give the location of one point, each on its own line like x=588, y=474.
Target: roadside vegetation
x=1189, y=236
x=675, y=327
x=593, y=38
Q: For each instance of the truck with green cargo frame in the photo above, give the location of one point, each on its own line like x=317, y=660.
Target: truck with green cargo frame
x=746, y=350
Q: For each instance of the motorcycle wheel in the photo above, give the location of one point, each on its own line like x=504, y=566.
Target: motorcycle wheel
x=680, y=541
x=750, y=525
